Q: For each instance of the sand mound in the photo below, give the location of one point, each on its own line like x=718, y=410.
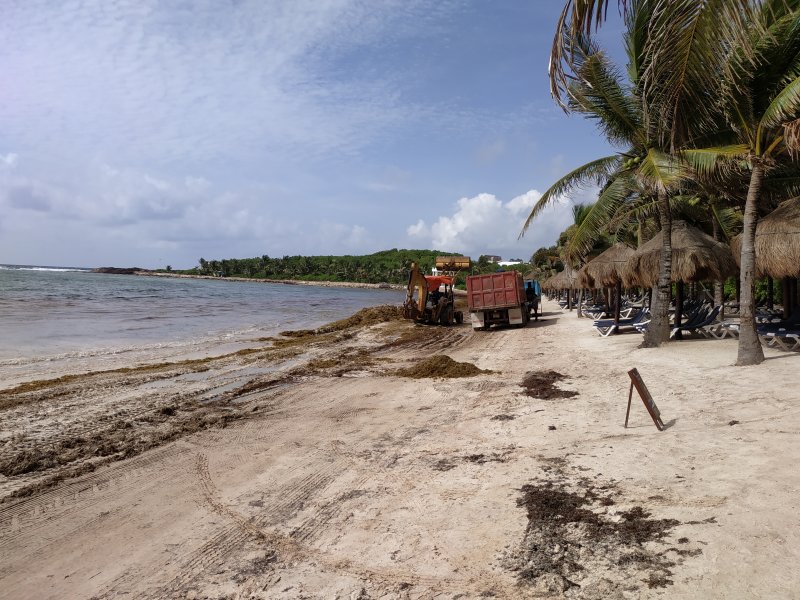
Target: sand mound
x=540, y=385
x=363, y=318
x=440, y=366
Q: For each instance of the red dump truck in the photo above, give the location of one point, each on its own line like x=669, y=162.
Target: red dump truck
x=496, y=299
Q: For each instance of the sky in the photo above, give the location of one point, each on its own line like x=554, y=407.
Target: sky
x=149, y=133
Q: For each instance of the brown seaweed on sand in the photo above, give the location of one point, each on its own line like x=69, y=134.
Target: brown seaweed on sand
x=569, y=534
x=440, y=365
x=540, y=384
x=363, y=318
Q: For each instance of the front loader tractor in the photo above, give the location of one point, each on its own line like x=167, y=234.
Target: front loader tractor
x=430, y=298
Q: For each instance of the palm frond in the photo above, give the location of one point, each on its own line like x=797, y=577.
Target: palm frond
x=662, y=171
x=688, y=45
x=641, y=210
x=599, y=94
x=637, y=23
x=577, y=18
x=705, y=160
x=595, y=223
x=785, y=107
x=591, y=173
x=729, y=220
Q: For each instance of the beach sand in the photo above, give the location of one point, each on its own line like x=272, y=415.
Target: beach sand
x=312, y=470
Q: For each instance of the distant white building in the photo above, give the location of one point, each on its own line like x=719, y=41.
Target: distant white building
x=508, y=263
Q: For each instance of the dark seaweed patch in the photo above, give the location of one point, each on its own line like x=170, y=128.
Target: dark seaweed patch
x=541, y=384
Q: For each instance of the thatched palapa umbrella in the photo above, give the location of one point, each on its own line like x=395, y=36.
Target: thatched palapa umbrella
x=696, y=256
x=563, y=280
x=606, y=271
x=777, y=246
x=777, y=242
x=583, y=279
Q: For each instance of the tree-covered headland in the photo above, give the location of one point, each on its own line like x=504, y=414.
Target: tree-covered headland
x=386, y=266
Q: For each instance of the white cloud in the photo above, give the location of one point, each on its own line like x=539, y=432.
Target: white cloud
x=522, y=205
x=418, y=229
x=484, y=224
x=205, y=81
x=8, y=161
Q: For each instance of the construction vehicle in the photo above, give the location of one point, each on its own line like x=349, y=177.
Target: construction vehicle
x=497, y=299
x=430, y=298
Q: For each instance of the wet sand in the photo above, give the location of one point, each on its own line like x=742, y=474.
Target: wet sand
x=313, y=466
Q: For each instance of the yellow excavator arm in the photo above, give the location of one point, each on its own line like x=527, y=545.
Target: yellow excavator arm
x=416, y=295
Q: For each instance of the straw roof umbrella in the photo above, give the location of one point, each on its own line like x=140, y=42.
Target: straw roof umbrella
x=554, y=282
x=606, y=271
x=777, y=242
x=562, y=280
x=583, y=279
x=696, y=256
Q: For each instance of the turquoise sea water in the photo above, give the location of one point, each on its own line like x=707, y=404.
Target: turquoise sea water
x=60, y=312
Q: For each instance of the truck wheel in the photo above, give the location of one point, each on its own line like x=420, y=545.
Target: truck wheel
x=447, y=315
x=459, y=317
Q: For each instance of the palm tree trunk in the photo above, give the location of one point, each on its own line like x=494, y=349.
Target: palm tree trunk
x=679, y=289
x=750, y=351
x=785, y=290
x=658, y=329
x=719, y=289
x=770, y=293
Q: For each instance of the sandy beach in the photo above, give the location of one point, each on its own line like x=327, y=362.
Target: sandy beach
x=311, y=466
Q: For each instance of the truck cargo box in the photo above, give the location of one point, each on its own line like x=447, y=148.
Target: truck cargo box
x=495, y=290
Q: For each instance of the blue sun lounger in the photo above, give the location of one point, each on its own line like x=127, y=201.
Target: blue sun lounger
x=606, y=327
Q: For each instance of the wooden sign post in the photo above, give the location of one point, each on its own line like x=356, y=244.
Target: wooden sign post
x=647, y=399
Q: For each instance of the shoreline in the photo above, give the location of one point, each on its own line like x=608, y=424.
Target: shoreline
x=309, y=465
x=340, y=284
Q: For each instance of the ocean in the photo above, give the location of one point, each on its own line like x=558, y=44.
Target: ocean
x=54, y=313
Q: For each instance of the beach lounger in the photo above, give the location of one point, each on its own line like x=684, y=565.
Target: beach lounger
x=787, y=341
x=791, y=325
x=595, y=311
x=702, y=319
x=606, y=327
x=722, y=330
x=783, y=340
x=710, y=324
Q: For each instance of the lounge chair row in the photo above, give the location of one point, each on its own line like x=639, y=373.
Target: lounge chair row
x=606, y=327
x=783, y=334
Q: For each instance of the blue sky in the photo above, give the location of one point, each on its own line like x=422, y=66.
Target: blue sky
x=150, y=133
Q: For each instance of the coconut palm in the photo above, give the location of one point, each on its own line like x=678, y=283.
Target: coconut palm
x=691, y=52
x=642, y=169
x=762, y=104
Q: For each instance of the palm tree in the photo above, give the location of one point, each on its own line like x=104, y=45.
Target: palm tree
x=678, y=54
x=762, y=104
x=643, y=169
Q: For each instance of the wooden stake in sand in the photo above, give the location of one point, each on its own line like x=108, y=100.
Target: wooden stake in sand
x=647, y=399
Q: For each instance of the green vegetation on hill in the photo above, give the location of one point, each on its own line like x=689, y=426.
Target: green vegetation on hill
x=390, y=266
